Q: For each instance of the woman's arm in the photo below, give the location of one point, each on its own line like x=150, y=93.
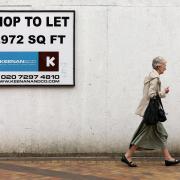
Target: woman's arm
x=162, y=93
x=153, y=89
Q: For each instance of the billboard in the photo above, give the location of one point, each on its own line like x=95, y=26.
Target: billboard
x=37, y=47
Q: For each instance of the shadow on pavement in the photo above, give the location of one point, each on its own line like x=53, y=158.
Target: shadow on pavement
x=47, y=172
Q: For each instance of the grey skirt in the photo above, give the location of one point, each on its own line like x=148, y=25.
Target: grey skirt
x=150, y=137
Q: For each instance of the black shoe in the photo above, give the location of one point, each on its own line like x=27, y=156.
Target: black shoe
x=130, y=164
x=171, y=163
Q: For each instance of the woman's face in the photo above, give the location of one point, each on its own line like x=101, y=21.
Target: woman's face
x=162, y=68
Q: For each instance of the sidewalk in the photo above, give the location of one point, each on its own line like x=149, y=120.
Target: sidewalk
x=86, y=169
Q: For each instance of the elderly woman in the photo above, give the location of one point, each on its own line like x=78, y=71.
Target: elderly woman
x=150, y=137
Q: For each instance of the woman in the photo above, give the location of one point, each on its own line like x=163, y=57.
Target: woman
x=150, y=137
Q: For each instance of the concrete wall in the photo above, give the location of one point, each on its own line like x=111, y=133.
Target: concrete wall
x=115, y=43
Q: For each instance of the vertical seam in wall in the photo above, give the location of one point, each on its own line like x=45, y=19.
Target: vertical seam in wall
x=106, y=77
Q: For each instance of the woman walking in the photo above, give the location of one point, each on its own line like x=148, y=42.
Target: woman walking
x=150, y=137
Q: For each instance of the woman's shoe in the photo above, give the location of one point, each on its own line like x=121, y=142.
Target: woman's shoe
x=171, y=163
x=130, y=164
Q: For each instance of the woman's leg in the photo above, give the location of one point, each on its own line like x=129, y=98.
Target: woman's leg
x=130, y=152
x=166, y=154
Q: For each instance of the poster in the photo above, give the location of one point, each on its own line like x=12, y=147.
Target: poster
x=37, y=48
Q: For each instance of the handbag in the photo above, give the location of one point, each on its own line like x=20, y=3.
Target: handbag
x=162, y=114
x=154, y=111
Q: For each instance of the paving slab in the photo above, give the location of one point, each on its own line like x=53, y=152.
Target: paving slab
x=87, y=169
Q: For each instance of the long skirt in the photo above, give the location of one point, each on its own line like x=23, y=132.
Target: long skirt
x=150, y=137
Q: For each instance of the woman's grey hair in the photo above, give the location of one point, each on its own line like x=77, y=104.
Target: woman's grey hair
x=157, y=61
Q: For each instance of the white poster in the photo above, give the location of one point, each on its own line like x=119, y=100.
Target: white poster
x=37, y=47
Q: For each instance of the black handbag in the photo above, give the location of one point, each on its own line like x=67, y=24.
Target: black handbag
x=154, y=111
x=162, y=114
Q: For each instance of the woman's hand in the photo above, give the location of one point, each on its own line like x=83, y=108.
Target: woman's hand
x=166, y=90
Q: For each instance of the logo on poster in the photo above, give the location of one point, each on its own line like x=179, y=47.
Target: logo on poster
x=48, y=61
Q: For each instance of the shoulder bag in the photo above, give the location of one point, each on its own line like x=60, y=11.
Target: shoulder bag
x=154, y=111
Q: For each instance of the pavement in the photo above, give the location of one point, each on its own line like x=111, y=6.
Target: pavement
x=86, y=169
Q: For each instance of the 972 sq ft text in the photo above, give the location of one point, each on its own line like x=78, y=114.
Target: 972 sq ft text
x=32, y=39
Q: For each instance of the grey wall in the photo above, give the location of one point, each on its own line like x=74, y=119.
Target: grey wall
x=115, y=44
